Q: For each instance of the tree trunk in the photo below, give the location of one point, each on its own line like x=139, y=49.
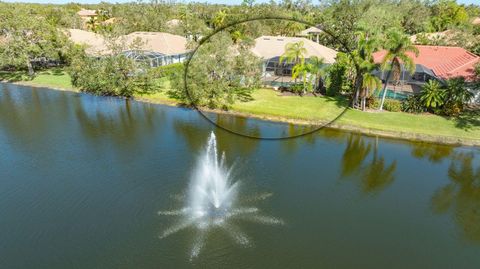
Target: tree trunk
x=384, y=94
x=358, y=85
x=31, y=72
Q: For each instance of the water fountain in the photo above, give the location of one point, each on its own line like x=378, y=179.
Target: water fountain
x=213, y=202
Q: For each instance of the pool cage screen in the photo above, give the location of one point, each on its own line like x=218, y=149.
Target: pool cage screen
x=155, y=59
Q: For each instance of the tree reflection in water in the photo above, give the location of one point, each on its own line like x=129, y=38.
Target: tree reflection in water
x=123, y=122
x=461, y=196
x=434, y=153
x=194, y=135
x=373, y=175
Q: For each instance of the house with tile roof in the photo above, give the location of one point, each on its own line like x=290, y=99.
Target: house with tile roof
x=156, y=48
x=445, y=62
x=271, y=48
x=433, y=62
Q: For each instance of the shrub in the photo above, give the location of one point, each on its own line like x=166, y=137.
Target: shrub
x=413, y=105
x=168, y=71
x=373, y=102
x=452, y=109
x=392, y=105
x=297, y=88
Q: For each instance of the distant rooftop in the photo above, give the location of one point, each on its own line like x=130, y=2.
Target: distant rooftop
x=311, y=30
x=268, y=47
x=446, y=62
x=163, y=43
x=476, y=21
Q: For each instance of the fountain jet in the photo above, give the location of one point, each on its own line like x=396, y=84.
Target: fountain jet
x=212, y=202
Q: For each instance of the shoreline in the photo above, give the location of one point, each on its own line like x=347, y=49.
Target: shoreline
x=409, y=136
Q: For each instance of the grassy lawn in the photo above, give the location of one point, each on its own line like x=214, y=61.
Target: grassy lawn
x=53, y=78
x=268, y=103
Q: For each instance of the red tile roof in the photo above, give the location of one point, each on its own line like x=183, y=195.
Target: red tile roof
x=446, y=62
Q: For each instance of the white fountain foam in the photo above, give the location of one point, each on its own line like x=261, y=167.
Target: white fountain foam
x=212, y=201
x=211, y=189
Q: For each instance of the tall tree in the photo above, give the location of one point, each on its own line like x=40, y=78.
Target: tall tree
x=29, y=39
x=365, y=81
x=397, y=46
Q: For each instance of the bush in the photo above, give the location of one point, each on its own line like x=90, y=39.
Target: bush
x=373, y=102
x=297, y=88
x=413, y=105
x=389, y=105
x=168, y=71
x=392, y=105
x=452, y=109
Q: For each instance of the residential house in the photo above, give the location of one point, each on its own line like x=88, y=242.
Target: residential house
x=433, y=62
x=271, y=48
x=155, y=48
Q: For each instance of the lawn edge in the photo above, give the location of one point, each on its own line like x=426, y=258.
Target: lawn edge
x=410, y=136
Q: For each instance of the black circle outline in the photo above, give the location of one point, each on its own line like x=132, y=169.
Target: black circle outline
x=206, y=38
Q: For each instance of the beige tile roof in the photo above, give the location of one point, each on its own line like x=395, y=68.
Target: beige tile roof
x=267, y=47
x=160, y=42
x=476, y=21
x=164, y=43
x=95, y=43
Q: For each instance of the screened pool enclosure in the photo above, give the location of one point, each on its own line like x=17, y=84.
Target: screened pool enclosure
x=155, y=59
x=278, y=73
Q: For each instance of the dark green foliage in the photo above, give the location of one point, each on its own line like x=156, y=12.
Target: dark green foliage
x=112, y=76
x=456, y=96
x=340, y=76
x=169, y=71
x=449, y=100
x=413, y=105
x=217, y=75
x=432, y=95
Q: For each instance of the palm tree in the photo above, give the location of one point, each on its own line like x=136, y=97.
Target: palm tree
x=456, y=92
x=316, y=67
x=369, y=85
x=301, y=70
x=365, y=81
x=432, y=95
x=397, y=46
x=294, y=53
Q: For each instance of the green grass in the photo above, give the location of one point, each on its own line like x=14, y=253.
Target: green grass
x=53, y=78
x=269, y=103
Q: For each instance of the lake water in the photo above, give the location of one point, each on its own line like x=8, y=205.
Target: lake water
x=83, y=177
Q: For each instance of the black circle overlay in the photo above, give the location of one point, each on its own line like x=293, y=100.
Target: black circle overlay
x=207, y=38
